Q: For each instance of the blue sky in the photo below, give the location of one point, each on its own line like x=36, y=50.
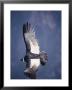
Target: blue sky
x=47, y=25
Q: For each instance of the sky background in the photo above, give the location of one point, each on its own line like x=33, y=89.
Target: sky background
x=47, y=25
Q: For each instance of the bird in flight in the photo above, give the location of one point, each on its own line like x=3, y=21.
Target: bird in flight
x=34, y=57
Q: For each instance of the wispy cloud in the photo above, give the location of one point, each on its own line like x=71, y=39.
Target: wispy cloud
x=45, y=19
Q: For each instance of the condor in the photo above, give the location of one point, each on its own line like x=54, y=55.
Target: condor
x=34, y=57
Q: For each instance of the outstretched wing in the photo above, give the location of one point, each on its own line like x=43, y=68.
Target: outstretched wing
x=30, y=39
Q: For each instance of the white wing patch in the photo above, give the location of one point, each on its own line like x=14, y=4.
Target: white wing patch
x=34, y=62
x=30, y=36
x=34, y=48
